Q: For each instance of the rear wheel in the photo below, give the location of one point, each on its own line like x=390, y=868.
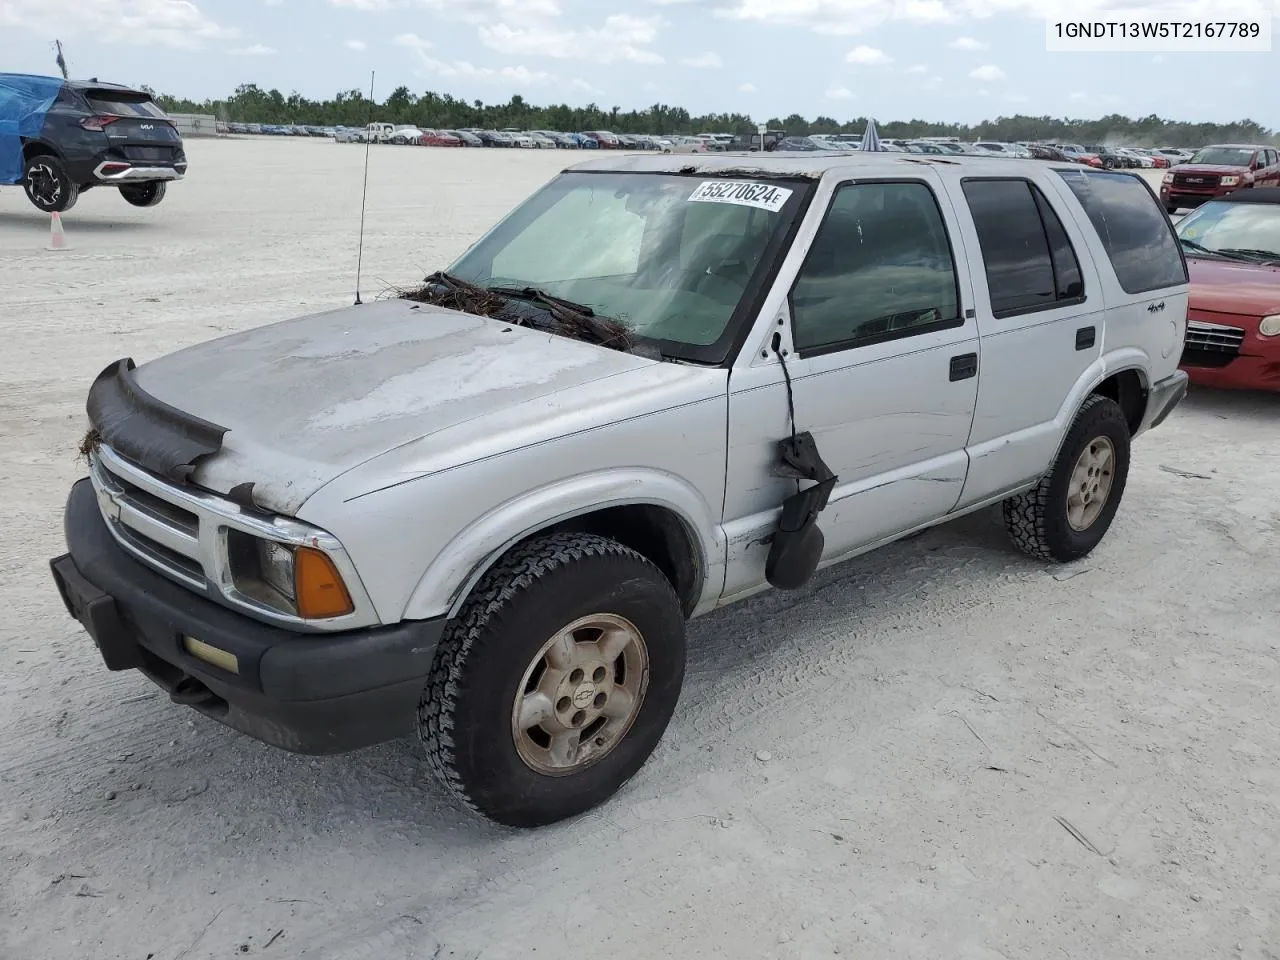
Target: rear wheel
x=144, y=194
x=48, y=186
x=556, y=682
x=1067, y=514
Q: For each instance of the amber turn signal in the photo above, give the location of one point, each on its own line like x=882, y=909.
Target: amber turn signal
x=318, y=586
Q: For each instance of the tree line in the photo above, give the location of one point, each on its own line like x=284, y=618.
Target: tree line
x=251, y=104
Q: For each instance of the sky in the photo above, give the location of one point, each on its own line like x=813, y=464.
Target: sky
x=945, y=60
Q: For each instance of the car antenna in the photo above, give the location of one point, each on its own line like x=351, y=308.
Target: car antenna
x=364, y=194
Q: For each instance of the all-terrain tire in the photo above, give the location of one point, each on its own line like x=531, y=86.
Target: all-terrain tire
x=48, y=186
x=1037, y=519
x=540, y=587
x=144, y=194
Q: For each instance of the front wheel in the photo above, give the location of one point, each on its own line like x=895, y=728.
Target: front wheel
x=556, y=682
x=1067, y=514
x=48, y=186
x=144, y=194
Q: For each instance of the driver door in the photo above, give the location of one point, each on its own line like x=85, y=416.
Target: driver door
x=882, y=357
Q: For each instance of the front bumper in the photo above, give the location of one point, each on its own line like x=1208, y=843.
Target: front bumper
x=1163, y=396
x=1242, y=373
x=307, y=693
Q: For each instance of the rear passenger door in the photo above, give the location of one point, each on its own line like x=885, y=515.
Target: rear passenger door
x=1039, y=314
x=1144, y=275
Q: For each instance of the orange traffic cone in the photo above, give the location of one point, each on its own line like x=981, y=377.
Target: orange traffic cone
x=57, y=239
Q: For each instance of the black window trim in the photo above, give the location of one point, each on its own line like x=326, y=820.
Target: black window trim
x=1056, y=304
x=869, y=341
x=1141, y=181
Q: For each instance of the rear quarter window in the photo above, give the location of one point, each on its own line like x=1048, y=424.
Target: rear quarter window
x=1134, y=230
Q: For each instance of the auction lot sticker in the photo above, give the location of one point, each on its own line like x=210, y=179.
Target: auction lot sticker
x=744, y=193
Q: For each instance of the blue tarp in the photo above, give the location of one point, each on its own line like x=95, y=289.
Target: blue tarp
x=24, y=101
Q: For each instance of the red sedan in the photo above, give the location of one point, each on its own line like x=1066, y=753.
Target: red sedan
x=1233, y=325
x=434, y=138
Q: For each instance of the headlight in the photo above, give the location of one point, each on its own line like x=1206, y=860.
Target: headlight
x=300, y=581
x=1168, y=177
x=1229, y=181
x=1270, y=326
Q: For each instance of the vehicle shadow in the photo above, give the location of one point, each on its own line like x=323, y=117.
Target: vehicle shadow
x=1233, y=404
x=34, y=222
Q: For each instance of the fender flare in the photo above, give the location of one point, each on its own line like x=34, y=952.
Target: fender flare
x=455, y=570
x=1106, y=366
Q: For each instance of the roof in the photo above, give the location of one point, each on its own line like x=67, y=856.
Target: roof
x=809, y=165
x=90, y=84
x=1237, y=146
x=1253, y=195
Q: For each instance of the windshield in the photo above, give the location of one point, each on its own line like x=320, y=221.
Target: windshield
x=1249, y=228
x=671, y=257
x=1224, y=156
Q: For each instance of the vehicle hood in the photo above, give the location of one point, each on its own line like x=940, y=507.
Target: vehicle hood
x=308, y=399
x=1220, y=286
x=1220, y=169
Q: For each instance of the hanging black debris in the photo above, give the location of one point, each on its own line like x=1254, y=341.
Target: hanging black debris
x=798, y=542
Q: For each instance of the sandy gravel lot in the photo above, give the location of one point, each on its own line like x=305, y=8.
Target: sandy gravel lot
x=970, y=755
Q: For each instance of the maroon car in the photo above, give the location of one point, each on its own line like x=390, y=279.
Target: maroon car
x=1233, y=324
x=1217, y=171
x=438, y=138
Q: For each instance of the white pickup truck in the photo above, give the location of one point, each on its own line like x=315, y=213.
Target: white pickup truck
x=483, y=511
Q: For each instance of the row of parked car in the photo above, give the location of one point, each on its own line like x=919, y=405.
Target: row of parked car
x=1101, y=156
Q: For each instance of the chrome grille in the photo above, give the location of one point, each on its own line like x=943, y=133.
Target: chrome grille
x=1215, y=337
x=1200, y=181
x=181, y=532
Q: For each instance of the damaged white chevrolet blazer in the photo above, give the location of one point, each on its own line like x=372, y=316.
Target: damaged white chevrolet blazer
x=484, y=509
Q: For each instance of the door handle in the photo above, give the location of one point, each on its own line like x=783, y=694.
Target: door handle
x=964, y=366
x=1086, y=337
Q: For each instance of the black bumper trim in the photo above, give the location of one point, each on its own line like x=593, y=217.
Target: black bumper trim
x=310, y=693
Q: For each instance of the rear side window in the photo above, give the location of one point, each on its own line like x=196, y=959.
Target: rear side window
x=121, y=104
x=1030, y=264
x=1134, y=230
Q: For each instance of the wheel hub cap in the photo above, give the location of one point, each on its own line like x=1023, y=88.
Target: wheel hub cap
x=44, y=185
x=1090, y=486
x=580, y=695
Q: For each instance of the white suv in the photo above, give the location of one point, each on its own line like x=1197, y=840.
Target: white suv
x=484, y=510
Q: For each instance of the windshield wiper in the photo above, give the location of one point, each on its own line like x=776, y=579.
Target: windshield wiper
x=1268, y=255
x=1199, y=248
x=534, y=295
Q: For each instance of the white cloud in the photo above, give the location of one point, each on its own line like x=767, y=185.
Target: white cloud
x=356, y=45
x=411, y=40
x=988, y=73
x=918, y=68
x=368, y=4
x=747, y=88
x=839, y=93
x=481, y=12
x=867, y=56
x=256, y=50
x=931, y=83
x=622, y=37
x=520, y=76
x=171, y=23
x=1077, y=96
x=967, y=43
x=707, y=61
x=577, y=83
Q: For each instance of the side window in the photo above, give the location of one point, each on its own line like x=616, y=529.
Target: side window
x=1067, y=281
x=1134, y=229
x=880, y=268
x=1015, y=248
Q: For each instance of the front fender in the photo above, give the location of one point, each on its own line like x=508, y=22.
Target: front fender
x=449, y=578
